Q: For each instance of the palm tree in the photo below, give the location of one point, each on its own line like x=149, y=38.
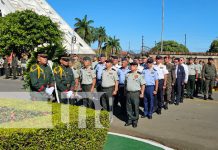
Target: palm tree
x=101, y=37
x=84, y=29
x=113, y=45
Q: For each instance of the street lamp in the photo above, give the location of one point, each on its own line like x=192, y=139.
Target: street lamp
x=73, y=41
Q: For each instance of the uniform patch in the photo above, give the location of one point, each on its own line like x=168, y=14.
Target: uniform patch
x=136, y=76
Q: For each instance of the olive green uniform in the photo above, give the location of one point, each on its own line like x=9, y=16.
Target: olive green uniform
x=41, y=77
x=14, y=65
x=109, y=78
x=64, y=80
x=198, y=83
x=86, y=79
x=209, y=73
x=133, y=83
x=191, y=79
x=171, y=79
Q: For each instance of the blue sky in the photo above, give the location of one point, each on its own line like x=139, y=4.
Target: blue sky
x=128, y=20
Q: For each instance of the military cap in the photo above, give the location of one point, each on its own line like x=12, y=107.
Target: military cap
x=86, y=59
x=190, y=58
x=102, y=55
x=136, y=57
x=143, y=57
x=133, y=64
x=109, y=61
x=124, y=59
x=167, y=56
x=65, y=57
x=150, y=60
x=114, y=57
x=41, y=54
x=210, y=59
x=159, y=57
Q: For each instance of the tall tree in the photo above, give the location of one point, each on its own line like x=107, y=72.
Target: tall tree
x=84, y=29
x=24, y=31
x=113, y=45
x=214, y=47
x=101, y=37
x=170, y=46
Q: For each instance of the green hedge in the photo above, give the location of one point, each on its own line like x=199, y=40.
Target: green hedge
x=61, y=136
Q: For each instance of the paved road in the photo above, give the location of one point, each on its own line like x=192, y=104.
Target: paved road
x=191, y=125
x=9, y=85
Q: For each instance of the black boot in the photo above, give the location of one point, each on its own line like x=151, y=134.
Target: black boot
x=205, y=97
x=210, y=98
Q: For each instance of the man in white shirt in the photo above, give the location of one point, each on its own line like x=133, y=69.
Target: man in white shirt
x=162, y=82
x=182, y=62
x=116, y=65
x=140, y=68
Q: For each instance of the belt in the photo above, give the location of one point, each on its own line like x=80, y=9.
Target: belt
x=86, y=84
x=133, y=91
x=108, y=87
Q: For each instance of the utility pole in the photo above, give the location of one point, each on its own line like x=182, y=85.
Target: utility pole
x=162, y=31
x=142, y=44
x=129, y=47
x=185, y=40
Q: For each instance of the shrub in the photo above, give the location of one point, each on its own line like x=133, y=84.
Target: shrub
x=60, y=136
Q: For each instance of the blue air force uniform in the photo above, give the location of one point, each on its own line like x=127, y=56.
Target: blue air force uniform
x=122, y=72
x=99, y=70
x=150, y=76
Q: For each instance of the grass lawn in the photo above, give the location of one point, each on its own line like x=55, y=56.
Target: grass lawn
x=121, y=143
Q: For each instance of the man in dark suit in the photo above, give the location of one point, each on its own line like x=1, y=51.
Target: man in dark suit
x=180, y=77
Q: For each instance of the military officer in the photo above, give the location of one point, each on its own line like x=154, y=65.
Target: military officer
x=136, y=60
x=198, y=83
x=41, y=78
x=162, y=76
x=14, y=65
x=171, y=79
x=209, y=75
x=6, y=67
x=64, y=80
x=151, y=88
x=116, y=65
x=193, y=76
x=88, y=81
x=77, y=63
x=135, y=86
x=99, y=69
x=122, y=72
x=109, y=86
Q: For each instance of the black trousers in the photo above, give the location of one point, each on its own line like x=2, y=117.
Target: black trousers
x=159, y=99
x=122, y=97
x=178, y=90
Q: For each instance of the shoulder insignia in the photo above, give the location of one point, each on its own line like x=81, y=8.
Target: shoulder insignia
x=139, y=72
x=113, y=69
x=33, y=68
